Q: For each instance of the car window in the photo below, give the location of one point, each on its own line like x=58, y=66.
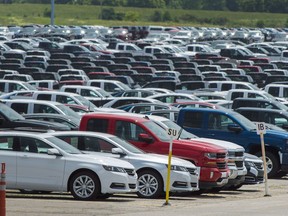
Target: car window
x=98, y=125
x=44, y=97
x=21, y=108
x=6, y=143
x=128, y=130
x=193, y=119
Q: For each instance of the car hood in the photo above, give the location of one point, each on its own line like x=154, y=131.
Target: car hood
x=42, y=124
x=161, y=159
x=199, y=145
x=225, y=144
x=252, y=158
x=102, y=160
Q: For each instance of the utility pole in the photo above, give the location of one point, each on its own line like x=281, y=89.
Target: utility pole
x=52, y=13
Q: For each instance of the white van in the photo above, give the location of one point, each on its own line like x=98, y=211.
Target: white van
x=29, y=106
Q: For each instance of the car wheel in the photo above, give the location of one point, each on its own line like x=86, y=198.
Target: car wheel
x=272, y=163
x=150, y=184
x=85, y=186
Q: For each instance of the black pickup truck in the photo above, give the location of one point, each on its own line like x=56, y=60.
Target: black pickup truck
x=10, y=119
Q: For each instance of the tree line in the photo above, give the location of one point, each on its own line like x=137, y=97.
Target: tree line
x=270, y=6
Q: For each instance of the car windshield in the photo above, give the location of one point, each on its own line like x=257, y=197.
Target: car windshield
x=183, y=133
x=64, y=146
x=244, y=121
x=157, y=131
x=126, y=145
x=28, y=86
x=85, y=102
x=10, y=113
x=68, y=111
x=103, y=93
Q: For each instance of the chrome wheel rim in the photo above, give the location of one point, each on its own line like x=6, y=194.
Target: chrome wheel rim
x=83, y=186
x=147, y=185
x=269, y=165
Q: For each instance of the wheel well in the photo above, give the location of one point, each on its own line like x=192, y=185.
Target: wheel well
x=78, y=171
x=151, y=169
x=256, y=148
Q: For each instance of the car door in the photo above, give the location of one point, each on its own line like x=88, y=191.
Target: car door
x=8, y=156
x=36, y=170
x=217, y=128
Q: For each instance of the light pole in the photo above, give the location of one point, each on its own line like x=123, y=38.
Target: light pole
x=52, y=13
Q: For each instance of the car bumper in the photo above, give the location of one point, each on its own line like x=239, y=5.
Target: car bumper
x=115, y=182
x=183, y=182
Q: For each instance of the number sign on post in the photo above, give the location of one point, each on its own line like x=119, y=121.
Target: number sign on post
x=261, y=130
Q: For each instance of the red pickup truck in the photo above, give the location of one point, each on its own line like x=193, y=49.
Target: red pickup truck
x=148, y=136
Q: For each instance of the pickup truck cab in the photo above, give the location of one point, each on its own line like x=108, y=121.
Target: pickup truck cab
x=150, y=137
x=228, y=125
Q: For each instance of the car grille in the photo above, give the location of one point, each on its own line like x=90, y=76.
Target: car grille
x=130, y=172
x=259, y=165
x=192, y=171
x=221, y=155
x=221, y=165
x=239, y=164
x=239, y=154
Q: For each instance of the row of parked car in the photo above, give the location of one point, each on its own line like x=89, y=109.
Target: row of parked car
x=113, y=97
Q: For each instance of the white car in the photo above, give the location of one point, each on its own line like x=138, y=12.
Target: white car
x=42, y=162
x=151, y=168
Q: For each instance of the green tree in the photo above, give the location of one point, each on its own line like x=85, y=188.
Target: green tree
x=167, y=16
x=157, y=16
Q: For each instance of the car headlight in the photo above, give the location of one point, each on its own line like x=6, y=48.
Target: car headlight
x=178, y=168
x=249, y=163
x=211, y=155
x=114, y=169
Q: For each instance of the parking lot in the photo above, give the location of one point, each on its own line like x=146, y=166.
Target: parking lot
x=249, y=200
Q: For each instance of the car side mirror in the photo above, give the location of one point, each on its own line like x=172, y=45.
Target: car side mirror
x=118, y=151
x=285, y=126
x=54, y=151
x=145, y=137
x=234, y=127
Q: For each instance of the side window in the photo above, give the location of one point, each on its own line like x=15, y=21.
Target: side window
x=65, y=99
x=44, y=97
x=98, y=125
x=96, y=84
x=72, y=90
x=128, y=130
x=32, y=145
x=42, y=108
x=285, y=92
x=274, y=91
x=219, y=122
x=226, y=87
x=109, y=87
x=20, y=108
x=193, y=119
x=6, y=143
x=2, y=87
x=236, y=95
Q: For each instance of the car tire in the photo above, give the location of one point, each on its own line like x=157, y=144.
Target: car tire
x=85, y=186
x=150, y=184
x=272, y=163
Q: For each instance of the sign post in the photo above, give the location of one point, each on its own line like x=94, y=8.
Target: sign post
x=173, y=133
x=3, y=190
x=261, y=130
